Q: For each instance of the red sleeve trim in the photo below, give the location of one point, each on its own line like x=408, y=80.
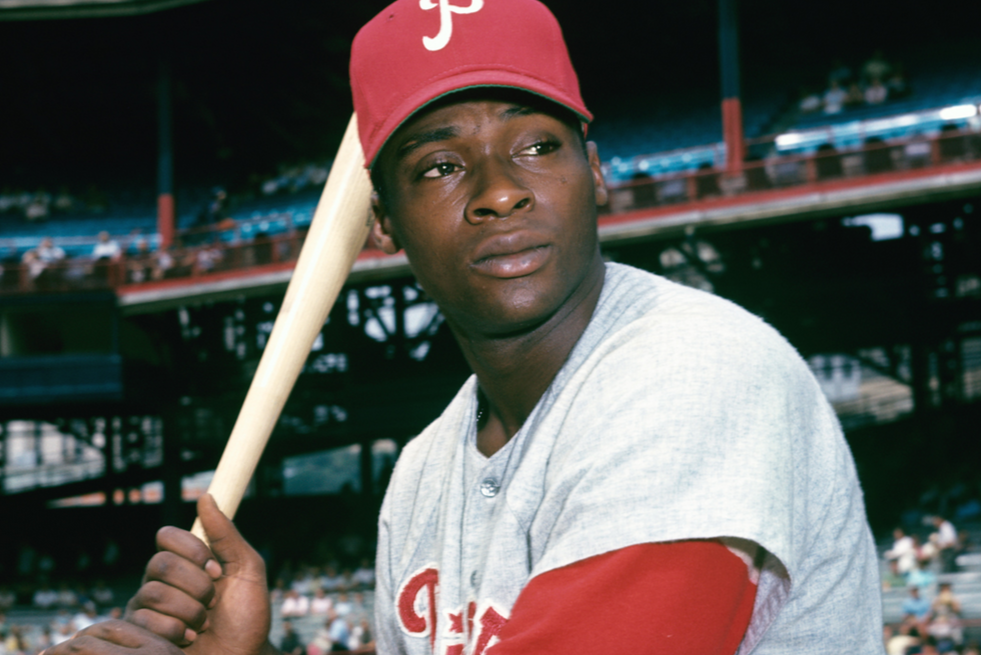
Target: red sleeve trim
x=668, y=598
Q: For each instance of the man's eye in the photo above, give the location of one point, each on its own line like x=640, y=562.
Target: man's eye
x=440, y=170
x=540, y=148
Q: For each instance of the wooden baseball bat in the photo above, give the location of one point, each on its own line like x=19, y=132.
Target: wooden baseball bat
x=337, y=233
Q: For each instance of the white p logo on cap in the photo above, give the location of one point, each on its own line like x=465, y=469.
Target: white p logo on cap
x=446, y=11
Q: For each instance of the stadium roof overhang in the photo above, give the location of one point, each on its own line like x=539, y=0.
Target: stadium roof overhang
x=61, y=9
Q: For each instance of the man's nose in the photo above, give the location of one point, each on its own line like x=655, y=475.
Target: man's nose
x=498, y=193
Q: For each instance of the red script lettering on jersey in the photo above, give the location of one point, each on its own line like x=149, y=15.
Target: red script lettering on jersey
x=417, y=612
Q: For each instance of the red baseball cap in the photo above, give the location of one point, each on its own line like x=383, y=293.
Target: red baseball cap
x=416, y=51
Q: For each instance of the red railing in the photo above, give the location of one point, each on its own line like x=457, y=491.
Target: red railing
x=220, y=248
x=211, y=256
x=826, y=164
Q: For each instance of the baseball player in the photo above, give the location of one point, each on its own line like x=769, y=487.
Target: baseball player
x=635, y=466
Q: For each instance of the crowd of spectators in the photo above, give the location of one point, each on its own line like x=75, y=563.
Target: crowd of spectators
x=331, y=597
x=64, y=610
x=47, y=266
x=875, y=82
x=39, y=205
x=293, y=178
x=928, y=626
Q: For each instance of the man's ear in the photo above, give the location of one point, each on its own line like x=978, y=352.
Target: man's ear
x=382, y=231
x=602, y=195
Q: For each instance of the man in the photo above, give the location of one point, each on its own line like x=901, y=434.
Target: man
x=946, y=543
x=903, y=552
x=630, y=454
x=915, y=606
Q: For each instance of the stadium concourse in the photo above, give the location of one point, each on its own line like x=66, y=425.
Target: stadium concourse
x=852, y=224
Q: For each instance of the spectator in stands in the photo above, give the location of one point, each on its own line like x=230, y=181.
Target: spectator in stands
x=278, y=592
x=924, y=552
x=876, y=92
x=810, y=101
x=946, y=543
x=45, y=597
x=921, y=576
x=361, y=637
x=876, y=66
x=7, y=600
x=63, y=202
x=330, y=580
x=321, y=603
x=972, y=648
x=40, y=264
x=101, y=594
x=915, y=606
x=340, y=631
x=896, y=83
x=303, y=582
x=294, y=604
x=343, y=606
x=948, y=632
x=49, y=253
x=215, y=210
x=140, y=265
x=946, y=602
x=892, y=578
x=929, y=646
x=290, y=644
x=39, y=207
x=207, y=258
x=903, y=551
x=106, y=248
x=88, y=616
x=162, y=262
x=66, y=597
x=63, y=632
x=321, y=642
x=45, y=640
x=15, y=643
x=834, y=99
x=854, y=98
x=364, y=575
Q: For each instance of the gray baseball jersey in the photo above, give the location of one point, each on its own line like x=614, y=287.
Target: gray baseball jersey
x=678, y=415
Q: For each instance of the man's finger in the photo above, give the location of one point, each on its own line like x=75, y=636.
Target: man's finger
x=117, y=632
x=183, y=543
x=168, y=601
x=113, y=637
x=173, y=570
x=173, y=630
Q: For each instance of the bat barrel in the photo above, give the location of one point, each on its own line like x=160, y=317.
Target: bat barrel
x=337, y=234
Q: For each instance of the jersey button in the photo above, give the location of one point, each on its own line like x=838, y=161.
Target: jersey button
x=489, y=487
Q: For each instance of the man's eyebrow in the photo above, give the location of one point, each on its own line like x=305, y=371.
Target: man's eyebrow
x=518, y=110
x=422, y=138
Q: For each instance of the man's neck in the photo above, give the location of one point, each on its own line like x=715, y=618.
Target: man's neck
x=514, y=372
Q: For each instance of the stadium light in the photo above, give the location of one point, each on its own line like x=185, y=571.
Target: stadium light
x=958, y=111
x=789, y=139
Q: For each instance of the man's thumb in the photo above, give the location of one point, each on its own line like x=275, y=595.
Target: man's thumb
x=230, y=549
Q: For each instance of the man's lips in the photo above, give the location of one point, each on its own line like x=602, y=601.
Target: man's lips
x=511, y=255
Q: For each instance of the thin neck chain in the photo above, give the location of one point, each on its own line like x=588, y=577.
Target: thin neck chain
x=481, y=407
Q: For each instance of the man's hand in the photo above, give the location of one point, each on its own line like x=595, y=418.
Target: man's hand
x=114, y=637
x=209, y=602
